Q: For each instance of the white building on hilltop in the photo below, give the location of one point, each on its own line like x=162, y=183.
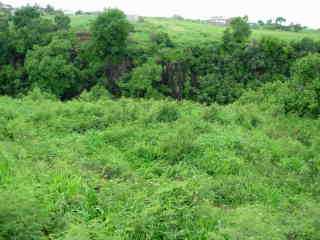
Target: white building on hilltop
x=219, y=21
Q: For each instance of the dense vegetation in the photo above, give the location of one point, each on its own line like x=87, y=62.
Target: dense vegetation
x=43, y=51
x=184, y=31
x=95, y=168
x=279, y=24
x=124, y=131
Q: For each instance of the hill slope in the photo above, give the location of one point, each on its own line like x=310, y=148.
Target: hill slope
x=139, y=169
x=182, y=31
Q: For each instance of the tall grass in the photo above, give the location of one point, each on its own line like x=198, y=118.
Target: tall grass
x=144, y=169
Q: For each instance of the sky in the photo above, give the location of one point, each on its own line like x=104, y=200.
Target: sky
x=305, y=12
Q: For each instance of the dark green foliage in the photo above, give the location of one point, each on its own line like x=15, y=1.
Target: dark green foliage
x=36, y=32
x=25, y=16
x=267, y=59
x=161, y=40
x=305, y=98
x=5, y=41
x=11, y=80
x=110, y=32
x=143, y=81
x=29, y=30
x=279, y=24
x=51, y=68
x=154, y=66
x=306, y=46
x=307, y=69
x=216, y=89
x=237, y=34
x=62, y=21
x=167, y=114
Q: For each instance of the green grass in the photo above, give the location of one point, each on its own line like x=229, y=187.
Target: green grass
x=144, y=169
x=82, y=22
x=187, y=31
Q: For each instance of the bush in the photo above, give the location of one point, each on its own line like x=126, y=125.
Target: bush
x=143, y=81
x=167, y=114
x=161, y=40
x=11, y=80
x=23, y=216
x=37, y=95
x=96, y=93
x=62, y=21
x=305, y=83
x=174, y=148
x=51, y=68
x=222, y=91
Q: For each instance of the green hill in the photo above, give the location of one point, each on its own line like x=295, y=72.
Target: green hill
x=183, y=31
x=143, y=169
x=168, y=163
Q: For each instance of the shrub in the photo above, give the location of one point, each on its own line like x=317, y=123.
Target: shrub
x=23, y=216
x=36, y=95
x=51, y=68
x=215, y=89
x=175, y=147
x=62, y=21
x=305, y=98
x=167, y=114
x=98, y=92
x=110, y=32
x=161, y=40
x=143, y=81
x=11, y=80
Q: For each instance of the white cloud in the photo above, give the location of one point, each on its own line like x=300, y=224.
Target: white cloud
x=304, y=12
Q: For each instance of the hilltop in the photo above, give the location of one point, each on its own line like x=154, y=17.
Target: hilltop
x=188, y=31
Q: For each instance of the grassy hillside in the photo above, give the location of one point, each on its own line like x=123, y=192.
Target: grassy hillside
x=182, y=31
x=143, y=169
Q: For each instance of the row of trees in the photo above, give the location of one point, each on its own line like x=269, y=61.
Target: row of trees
x=37, y=51
x=280, y=24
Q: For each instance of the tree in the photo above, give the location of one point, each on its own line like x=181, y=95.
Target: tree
x=213, y=88
x=144, y=80
x=296, y=27
x=235, y=41
x=30, y=29
x=25, y=15
x=280, y=21
x=305, y=96
x=49, y=9
x=238, y=32
x=11, y=73
x=161, y=40
x=110, y=33
x=51, y=68
x=11, y=80
x=62, y=21
x=5, y=40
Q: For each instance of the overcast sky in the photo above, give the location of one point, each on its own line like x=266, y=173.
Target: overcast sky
x=306, y=12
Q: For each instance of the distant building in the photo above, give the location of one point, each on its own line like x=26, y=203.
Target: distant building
x=219, y=21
